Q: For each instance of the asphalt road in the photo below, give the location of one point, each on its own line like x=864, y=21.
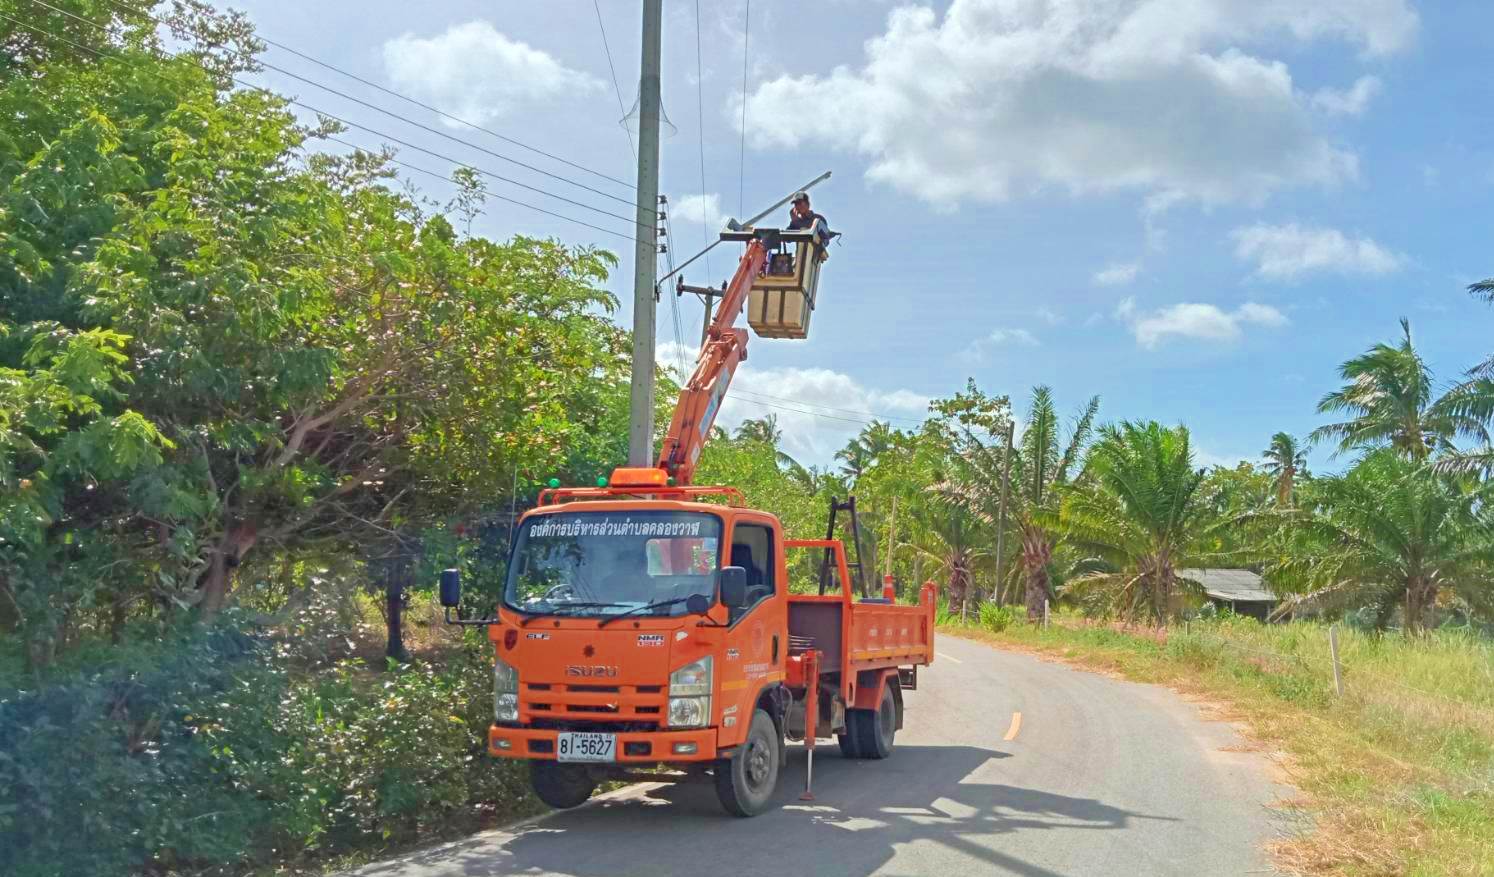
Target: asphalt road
x=1100, y=776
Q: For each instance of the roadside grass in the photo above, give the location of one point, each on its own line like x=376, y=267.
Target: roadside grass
x=1396, y=776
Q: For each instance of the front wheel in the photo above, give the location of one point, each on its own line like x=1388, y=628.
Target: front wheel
x=745, y=782
x=561, y=786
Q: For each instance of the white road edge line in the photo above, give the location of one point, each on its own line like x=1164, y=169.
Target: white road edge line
x=947, y=657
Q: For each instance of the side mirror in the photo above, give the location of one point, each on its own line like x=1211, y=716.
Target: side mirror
x=697, y=604
x=451, y=588
x=732, y=582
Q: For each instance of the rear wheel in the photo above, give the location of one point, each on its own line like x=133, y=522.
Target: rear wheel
x=745, y=782
x=561, y=786
x=879, y=727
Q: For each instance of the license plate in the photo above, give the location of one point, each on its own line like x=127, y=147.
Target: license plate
x=578, y=746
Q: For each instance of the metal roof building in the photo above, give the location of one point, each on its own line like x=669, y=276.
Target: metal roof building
x=1237, y=589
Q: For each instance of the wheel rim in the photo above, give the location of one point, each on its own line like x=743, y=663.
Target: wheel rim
x=886, y=720
x=757, y=764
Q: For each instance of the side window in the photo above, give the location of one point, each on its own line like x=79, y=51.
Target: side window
x=752, y=550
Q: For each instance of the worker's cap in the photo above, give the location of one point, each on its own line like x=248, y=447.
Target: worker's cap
x=800, y=196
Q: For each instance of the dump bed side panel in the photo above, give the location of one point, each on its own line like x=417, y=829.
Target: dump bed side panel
x=884, y=635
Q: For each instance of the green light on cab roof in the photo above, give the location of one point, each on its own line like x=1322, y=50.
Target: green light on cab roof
x=554, y=482
x=601, y=481
x=671, y=482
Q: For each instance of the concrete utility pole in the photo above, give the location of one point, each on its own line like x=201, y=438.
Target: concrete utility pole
x=641, y=407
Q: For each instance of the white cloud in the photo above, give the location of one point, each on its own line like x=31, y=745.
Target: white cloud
x=1348, y=103
x=1048, y=316
x=1004, y=97
x=1118, y=274
x=980, y=349
x=701, y=208
x=1285, y=252
x=818, y=410
x=840, y=403
x=1204, y=322
x=475, y=72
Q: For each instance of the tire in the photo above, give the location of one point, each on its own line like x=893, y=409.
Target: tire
x=876, y=728
x=849, y=748
x=745, y=782
x=561, y=786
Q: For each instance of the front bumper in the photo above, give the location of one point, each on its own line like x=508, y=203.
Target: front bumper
x=633, y=747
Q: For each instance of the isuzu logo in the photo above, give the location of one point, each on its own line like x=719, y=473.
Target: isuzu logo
x=591, y=671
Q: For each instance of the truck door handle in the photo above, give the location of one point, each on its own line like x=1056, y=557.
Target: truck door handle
x=775, y=648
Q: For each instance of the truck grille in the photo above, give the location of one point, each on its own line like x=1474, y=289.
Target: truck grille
x=546, y=703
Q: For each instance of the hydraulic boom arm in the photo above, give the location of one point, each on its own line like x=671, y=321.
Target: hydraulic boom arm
x=700, y=399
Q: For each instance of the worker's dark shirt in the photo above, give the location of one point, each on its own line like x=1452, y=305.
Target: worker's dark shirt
x=796, y=221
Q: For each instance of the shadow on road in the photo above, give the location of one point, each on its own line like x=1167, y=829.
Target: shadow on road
x=863, y=812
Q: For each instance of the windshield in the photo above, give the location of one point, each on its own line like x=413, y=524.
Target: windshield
x=606, y=563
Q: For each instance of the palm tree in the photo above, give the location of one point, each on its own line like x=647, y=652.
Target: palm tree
x=1285, y=461
x=761, y=429
x=1390, y=533
x=1040, y=468
x=1475, y=397
x=875, y=439
x=1139, y=511
x=1390, y=400
x=952, y=538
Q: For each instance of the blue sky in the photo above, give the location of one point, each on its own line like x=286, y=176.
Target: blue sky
x=1194, y=208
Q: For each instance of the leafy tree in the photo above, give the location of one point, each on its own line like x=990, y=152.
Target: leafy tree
x=1390, y=533
x=1390, y=400
x=1139, y=510
x=1286, y=461
x=214, y=341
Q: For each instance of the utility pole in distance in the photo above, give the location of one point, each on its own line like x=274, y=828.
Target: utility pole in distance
x=645, y=252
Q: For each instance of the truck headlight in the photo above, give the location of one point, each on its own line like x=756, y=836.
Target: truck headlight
x=693, y=679
x=690, y=695
x=505, y=692
x=689, y=712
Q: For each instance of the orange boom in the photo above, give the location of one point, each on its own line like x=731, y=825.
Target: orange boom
x=650, y=621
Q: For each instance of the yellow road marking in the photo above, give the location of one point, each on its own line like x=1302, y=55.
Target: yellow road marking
x=1011, y=733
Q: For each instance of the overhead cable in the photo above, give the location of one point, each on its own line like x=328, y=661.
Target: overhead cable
x=617, y=89
x=370, y=105
x=326, y=114
x=428, y=172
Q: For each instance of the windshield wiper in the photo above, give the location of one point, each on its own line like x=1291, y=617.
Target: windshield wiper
x=555, y=610
x=647, y=607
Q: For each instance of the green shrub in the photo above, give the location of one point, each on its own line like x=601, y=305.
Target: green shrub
x=215, y=751
x=996, y=618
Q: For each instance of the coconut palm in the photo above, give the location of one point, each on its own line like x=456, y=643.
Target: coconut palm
x=954, y=540
x=1390, y=533
x=1040, y=468
x=1285, y=461
x=1139, y=511
x=1390, y=400
x=861, y=452
x=761, y=429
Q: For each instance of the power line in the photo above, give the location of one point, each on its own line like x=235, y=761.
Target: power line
x=742, y=146
x=404, y=97
x=428, y=172
x=705, y=231
x=731, y=394
x=871, y=414
x=378, y=109
x=616, y=89
x=447, y=115
x=351, y=124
